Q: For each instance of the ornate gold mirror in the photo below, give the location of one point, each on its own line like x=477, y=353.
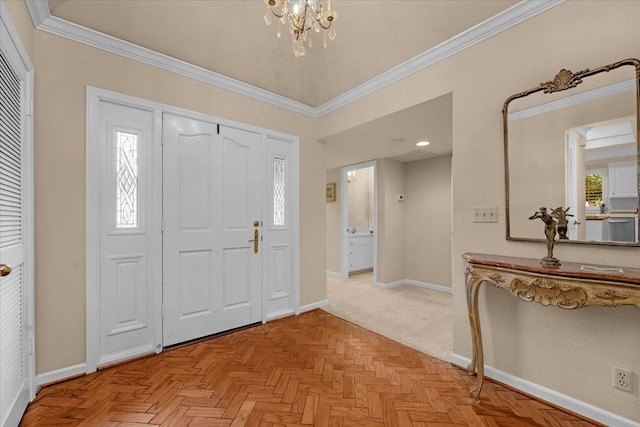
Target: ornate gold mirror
x=573, y=142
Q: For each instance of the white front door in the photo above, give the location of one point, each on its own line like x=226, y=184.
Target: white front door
x=14, y=246
x=212, y=193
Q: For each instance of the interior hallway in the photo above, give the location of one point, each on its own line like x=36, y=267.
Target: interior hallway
x=417, y=317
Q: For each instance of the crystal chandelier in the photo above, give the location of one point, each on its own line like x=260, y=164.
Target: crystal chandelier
x=303, y=17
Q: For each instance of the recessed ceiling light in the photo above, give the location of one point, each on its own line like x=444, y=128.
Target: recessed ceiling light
x=422, y=143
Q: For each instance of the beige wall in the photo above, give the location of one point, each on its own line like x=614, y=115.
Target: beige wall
x=571, y=352
x=334, y=224
x=428, y=221
x=390, y=221
x=64, y=69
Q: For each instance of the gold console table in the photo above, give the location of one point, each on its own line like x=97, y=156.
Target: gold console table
x=568, y=286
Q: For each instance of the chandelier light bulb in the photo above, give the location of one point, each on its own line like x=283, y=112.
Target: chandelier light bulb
x=303, y=17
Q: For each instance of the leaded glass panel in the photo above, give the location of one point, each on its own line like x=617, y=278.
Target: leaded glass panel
x=127, y=180
x=279, y=191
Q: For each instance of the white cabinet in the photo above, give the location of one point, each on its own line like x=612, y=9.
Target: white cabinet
x=598, y=230
x=360, y=252
x=623, y=179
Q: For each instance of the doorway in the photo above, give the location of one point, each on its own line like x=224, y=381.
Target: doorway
x=212, y=206
x=192, y=226
x=359, y=222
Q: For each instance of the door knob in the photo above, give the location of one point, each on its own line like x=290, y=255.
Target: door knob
x=255, y=241
x=576, y=222
x=5, y=270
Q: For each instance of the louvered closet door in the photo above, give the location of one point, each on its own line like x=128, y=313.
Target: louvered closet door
x=13, y=384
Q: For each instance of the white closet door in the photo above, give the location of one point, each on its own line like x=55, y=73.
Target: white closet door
x=14, y=394
x=211, y=200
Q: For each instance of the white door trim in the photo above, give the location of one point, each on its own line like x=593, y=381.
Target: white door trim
x=15, y=51
x=93, y=97
x=344, y=201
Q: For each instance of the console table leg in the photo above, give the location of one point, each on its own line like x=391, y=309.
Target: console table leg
x=472, y=366
x=477, y=361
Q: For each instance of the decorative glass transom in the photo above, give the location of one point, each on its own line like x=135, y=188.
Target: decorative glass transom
x=127, y=180
x=278, y=192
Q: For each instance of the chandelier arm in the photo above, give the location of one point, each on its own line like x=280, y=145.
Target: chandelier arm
x=275, y=14
x=322, y=26
x=304, y=20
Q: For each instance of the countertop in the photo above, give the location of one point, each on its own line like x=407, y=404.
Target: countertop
x=597, y=217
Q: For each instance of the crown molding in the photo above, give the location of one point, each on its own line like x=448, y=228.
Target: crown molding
x=38, y=11
x=43, y=20
x=496, y=24
x=569, y=101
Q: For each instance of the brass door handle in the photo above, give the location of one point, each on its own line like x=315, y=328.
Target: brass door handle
x=5, y=270
x=255, y=241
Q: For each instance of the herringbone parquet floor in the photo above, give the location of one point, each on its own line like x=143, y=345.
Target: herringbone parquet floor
x=313, y=369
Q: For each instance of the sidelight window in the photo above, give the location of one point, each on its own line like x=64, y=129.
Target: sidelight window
x=279, y=191
x=127, y=180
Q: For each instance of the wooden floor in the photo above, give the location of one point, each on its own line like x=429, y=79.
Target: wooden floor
x=313, y=369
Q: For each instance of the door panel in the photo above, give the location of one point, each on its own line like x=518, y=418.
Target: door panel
x=126, y=276
x=237, y=280
x=14, y=392
x=279, y=226
x=126, y=310
x=211, y=196
x=195, y=154
x=236, y=182
x=195, y=283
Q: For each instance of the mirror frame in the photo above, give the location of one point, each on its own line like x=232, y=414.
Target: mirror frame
x=564, y=80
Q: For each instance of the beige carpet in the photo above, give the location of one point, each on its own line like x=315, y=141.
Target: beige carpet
x=417, y=317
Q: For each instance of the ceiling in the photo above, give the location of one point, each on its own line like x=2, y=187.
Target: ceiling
x=395, y=135
x=231, y=38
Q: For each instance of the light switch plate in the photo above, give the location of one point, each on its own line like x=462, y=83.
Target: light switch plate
x=485, y=214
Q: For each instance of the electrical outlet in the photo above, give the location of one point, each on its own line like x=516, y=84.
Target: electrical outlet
x=485, y=214
x=622, y=380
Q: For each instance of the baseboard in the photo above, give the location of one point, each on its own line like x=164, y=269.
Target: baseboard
x=314, y=305
x=585, y=409
x=414, y=283
x=390, y=285
x=279, y=315
x=61, y=374
x=334, y=274
x=431, y=286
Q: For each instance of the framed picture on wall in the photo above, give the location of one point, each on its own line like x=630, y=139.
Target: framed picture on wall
x=331, y=192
